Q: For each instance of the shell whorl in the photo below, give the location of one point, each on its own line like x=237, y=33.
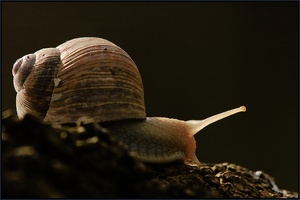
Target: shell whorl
x=91, y=77
x=33, y=81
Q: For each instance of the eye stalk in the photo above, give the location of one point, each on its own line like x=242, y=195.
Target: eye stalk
x=197, y=125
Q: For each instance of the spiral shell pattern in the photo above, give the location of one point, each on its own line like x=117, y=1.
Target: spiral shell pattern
x=82, y=77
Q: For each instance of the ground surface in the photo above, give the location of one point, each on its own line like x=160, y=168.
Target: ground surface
x=85, y=161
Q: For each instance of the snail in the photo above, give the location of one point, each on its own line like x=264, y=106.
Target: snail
x=93, y=77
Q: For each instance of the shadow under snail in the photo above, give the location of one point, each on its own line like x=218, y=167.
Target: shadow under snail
x=93, y=77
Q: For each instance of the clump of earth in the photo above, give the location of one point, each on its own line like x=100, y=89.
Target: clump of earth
x=84, y=160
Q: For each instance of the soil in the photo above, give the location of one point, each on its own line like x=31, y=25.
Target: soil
x=83, y=160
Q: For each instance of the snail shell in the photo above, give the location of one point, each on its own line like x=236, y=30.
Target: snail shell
x=81, y=77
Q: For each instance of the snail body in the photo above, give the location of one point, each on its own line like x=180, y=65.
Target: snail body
x=94, y=77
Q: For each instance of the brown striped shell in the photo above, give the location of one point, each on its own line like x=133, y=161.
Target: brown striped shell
x=81, y=77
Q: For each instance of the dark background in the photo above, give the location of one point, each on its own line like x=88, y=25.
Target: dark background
x=196, y=59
